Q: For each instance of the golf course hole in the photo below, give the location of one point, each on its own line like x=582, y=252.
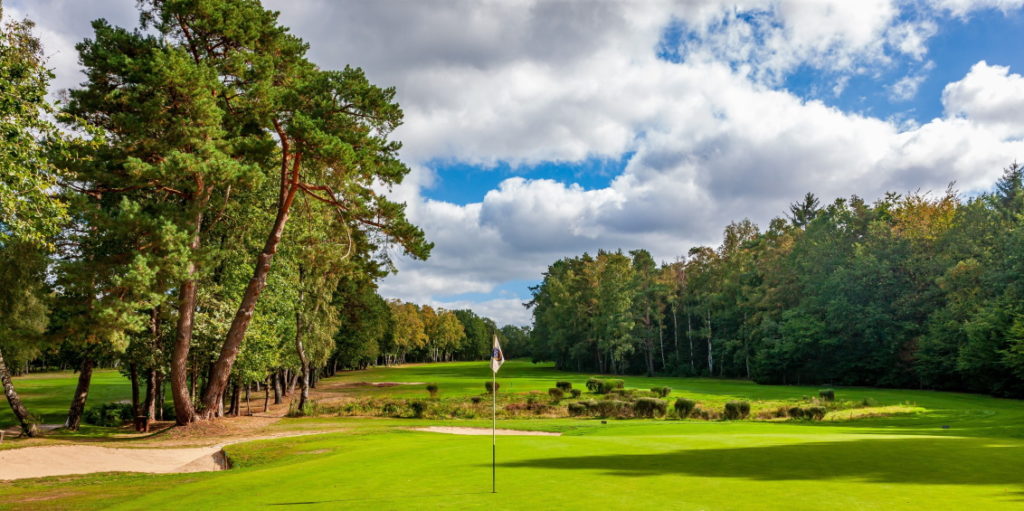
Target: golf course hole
x=483, y=431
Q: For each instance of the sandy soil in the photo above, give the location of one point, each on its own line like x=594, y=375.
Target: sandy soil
x=483, y=431
x=86, y=459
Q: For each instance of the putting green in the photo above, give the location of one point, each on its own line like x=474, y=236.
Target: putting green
x=906, y=462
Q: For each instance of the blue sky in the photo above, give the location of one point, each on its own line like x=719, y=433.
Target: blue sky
x=539, y=129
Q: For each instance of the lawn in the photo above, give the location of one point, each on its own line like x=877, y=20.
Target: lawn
x=48, y=395
x=905, y=462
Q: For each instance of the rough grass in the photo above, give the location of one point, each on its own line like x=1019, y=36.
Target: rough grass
x=904, y=460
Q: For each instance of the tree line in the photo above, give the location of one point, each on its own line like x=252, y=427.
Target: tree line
x=916, y=290
x=207, y=211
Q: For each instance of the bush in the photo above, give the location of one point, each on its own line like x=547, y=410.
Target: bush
x=556, y=394
x=661, y=391
x=650, y=407
x=577, y=409
x=594, y=385
x=476, y=399
x=492, y=386
x=735, y=410
x=612, y=408
x=796, y=412
x=827, y=394
x=418, y=408
x=684, y=407
x=432, y=388
x=815, y=413
x=619, y=384
x=575, y=393
x=590, y=404
x=606, y=386
x=110, y=415
x=565, y=386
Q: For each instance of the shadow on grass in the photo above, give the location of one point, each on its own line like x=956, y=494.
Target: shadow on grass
x=378, y=499
x=910, y=461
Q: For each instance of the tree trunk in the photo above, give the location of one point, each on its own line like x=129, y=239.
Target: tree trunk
x=149, y=406
x=675, y=332
x=81, y=395
x=133, y=375
x=28, y=425
x=240, y=323
x=300, y=350
x=183, y=410
x=276, y=379
x=711, y=356
x=266, y=397
x=248, y=407
x=159, y=396
x=689, y=337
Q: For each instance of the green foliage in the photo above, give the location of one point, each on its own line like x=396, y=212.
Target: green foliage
x=684, y=407
x=108, y=414
x=612, y=408
x=594, y=385
x=565, y=386
x=661, y=391
x=905, y=291
x=815, y=412
x=575, y=393
x=432, y=388
x=650, y=407
x=827, y=394
x=556, y=394
x=418, y=408
x=491, y=387
x=577, y=409
x=736, y=410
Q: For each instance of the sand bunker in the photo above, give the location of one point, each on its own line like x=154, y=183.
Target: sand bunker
x=86, y=459
x=483, y=431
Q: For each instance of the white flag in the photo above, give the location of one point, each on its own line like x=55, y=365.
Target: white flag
x=497, y=357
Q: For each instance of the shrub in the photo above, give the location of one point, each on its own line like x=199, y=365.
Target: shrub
x=492, y=386
x=110, y=415
x=418, y=408
x=827, y=394
x=735, y=410
x=476, y=399
x=565, y=386
x=815, y=413
x=650, y=407
x=556, y=394
x=611, y=408
x=594, y=385
x=684, y=407
x=432, y=388
x=661, y=391
x=590, y=404
x=619, y=384
x=796, y=412
x=607, y=386
x=575, y=393
x=577, y=409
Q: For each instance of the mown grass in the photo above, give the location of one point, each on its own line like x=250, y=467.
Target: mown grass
x=48, y=395
x=901, y=462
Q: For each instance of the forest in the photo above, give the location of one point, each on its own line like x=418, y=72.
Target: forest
x=913, y=291
x=207, y=212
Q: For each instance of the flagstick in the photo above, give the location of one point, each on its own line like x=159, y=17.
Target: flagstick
x=494, y=426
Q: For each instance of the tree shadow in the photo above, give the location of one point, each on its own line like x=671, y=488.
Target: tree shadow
x=937, y=460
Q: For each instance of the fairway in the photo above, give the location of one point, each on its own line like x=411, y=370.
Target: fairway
x=902, y=462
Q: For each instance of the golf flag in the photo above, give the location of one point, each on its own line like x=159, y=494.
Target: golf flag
x=497, y=357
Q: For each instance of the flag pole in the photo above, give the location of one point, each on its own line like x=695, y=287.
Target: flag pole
x=494, y=426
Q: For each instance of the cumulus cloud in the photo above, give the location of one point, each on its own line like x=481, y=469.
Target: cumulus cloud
x=990, y=96
x=711, y=137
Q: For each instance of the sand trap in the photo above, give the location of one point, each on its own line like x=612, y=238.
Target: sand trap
x=53, y=460
x=86, y=459
x=483, y=431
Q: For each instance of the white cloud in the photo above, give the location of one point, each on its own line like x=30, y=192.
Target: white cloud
x=531, y=81
x=990, y=96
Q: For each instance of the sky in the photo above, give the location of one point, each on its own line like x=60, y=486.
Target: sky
x=536, y=130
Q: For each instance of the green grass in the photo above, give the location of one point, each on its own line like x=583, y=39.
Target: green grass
x=48, y=395
x=900, y=462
